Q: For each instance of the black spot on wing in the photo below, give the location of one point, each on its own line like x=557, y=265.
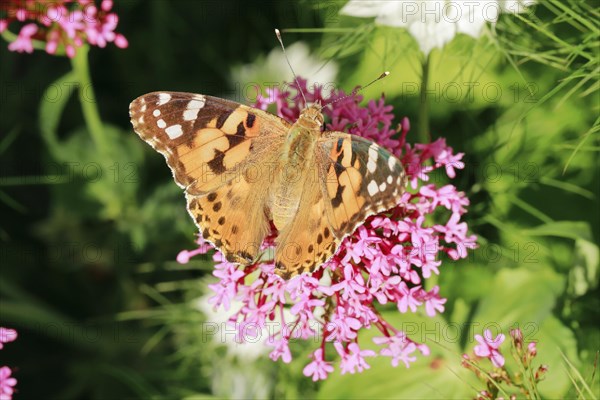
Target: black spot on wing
x=216, y=164
x=239, y=136
x=337, y=200
x=222, y=118
x=338, y=167
x=250, y=120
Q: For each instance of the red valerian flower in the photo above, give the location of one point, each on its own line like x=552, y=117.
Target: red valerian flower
x=63, y=24
x=7, y=382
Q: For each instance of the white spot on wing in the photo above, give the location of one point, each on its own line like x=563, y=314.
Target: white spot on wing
x=174, y=131
x=163, y=98
x=161, y=123
x=373, y=155
x=391, y=163
x=382, y=187
x=390, y=179
x=156, y=112
x=193, y=107
x=372, y=188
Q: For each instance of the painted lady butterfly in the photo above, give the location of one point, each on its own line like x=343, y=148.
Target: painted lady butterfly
x=242, y=168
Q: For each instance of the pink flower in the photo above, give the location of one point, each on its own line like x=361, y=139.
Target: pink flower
x=532, y=349
x=281, y=350
x=488, y=347
x=318, y=368
x=62, y=24
x=388, y=259
x=23, y=42
x=399, y=348
x=353, y=358
x=7, y=335
x=433, y=302
x=7, y=382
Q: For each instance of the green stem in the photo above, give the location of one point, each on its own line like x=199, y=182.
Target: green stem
x=87, y=98
x=423, y=130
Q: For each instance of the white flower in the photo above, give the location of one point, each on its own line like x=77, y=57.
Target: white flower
x=433, y=23
x=274, y=69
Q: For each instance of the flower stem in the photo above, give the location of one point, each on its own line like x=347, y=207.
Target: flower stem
x=423, y=131
x=87, y=98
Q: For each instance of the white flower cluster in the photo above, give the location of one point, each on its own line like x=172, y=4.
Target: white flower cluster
x=433, y=23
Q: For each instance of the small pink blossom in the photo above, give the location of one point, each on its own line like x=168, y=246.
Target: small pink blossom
x=281, y=350
x=318, y=369
x=488, y=347
x=353, y=358
x=532, y=349
x=6, y=336
x=433, y=302
x=7, y=382
x=399, y=348
x=24, y=43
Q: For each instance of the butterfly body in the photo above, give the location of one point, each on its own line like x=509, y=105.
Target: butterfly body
x=243, y=167
x=296, y=165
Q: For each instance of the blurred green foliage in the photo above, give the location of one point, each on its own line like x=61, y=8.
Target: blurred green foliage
x=89, y=231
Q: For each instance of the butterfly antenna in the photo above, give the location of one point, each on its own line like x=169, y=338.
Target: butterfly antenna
x=359, y=89
x=290, y=65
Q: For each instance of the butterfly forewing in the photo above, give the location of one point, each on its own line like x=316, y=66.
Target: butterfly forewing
x=205, y=140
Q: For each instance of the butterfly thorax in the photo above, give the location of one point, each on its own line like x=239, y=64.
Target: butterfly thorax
x=296, y=164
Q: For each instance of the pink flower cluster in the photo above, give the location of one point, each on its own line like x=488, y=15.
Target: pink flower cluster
x=386, y=261
x=7, y=382
x=63, y=23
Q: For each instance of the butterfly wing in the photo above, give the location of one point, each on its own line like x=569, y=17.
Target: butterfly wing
x=206, y=141
x=221, y=153
x=361, y=179
x=356, y=179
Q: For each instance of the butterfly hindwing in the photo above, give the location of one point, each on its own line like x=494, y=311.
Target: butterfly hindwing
x=234, y=217
x=308, y=240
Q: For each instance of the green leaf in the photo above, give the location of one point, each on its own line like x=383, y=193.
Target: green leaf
x=519, y=298
x=565, y=229
x=583, y=276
